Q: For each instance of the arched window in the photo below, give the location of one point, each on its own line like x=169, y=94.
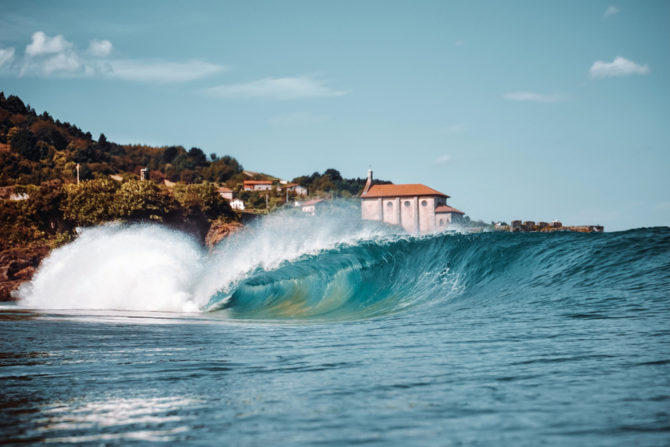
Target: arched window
x=389, y=204
x=407, y=203
x=441, y=222
x=424, y=203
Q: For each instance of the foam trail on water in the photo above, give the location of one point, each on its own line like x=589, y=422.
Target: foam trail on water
x=120, y=267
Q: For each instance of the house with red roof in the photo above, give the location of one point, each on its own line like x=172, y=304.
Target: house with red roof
x=226, y=193
x=257, y=185
x=415, y=207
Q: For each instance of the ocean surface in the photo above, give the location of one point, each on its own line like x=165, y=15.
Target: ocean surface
x=325, y=331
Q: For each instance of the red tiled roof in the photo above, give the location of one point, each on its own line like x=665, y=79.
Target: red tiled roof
x=401, y=191
x=224, y=189
x=447, y=209
x=312, y=202
x=257, y=182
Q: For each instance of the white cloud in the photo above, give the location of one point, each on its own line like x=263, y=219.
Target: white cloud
x=6, y=56
x=611, y=10
x=43, y=44
x=300, y=87
x=68, y=62
x=443, y=159
x=618, y=67
x=48, y=55
x=534, y=97
x=100, y=48
x=157, y=70
x=55, y=56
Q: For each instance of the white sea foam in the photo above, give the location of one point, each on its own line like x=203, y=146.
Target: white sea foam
x=139, y=267
x=152, y=268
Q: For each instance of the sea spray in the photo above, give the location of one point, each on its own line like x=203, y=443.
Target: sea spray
x=281, y=238
x=137, y=267
x=289, y=266
x=150, y=267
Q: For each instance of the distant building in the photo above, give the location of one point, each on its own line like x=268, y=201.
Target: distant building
x=226, y=193
x=9, y=193
x=415, y=207
x=16, y=197
x=299, y=190
x=310, y=207
x=237, y=204
x=257, y=185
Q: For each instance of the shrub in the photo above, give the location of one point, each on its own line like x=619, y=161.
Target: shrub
x=202, y=199
x=90, y=203
x=143, y=200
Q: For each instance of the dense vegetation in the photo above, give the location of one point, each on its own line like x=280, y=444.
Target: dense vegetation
x=36, y=148
x=331, y=183
x=54, y=210
x=38, y=165
x=38, y=159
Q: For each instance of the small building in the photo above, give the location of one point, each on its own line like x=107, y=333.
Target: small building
x=237, y=204
x=226, y=193
x=446, y=215
x=294, y=187
x=257, y=185
x=415, y=207
x=19, y=196
x=310, y=207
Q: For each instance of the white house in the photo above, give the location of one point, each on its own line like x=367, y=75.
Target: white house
x=310, y=206
x=299, y=190
x=416, y=207
x=226, y=193
x=237, y=204
x=257, y=185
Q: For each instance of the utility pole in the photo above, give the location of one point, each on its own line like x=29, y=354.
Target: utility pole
x=77, y=174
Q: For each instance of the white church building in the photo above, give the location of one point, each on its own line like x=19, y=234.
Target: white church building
x=416, y=207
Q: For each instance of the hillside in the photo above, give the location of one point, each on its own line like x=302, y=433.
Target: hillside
x=42, y=204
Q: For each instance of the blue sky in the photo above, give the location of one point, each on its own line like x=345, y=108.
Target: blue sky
x=531, y=110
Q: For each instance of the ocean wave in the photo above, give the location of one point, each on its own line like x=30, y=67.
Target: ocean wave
x=289, y=267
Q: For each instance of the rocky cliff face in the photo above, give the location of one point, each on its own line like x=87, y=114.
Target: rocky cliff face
x=219, y=230
x=18, y=265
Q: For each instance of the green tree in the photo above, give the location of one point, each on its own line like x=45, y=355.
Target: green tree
x=90, y=203
x=170, y=153
x=143, y=200
x=222, y=169
x=24, y=143
x=198, y=156
x=202, y=199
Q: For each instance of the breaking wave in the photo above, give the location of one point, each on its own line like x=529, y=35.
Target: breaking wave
x=290, y=267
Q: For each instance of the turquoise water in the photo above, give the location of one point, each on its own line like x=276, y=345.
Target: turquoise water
x=480, y=339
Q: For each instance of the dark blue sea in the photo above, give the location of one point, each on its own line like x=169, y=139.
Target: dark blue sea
x=298, y=334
